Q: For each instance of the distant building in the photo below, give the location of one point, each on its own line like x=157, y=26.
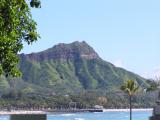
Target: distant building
x=98, y=107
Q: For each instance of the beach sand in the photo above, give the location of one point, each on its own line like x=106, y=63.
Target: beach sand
x=21, y=112
x=43, y=112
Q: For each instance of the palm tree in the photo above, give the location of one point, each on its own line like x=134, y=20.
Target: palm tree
x=130, y=87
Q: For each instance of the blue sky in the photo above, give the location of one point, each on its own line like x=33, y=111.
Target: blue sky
x=124, y=32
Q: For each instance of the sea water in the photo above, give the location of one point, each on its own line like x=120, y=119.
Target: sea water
x=137, y=115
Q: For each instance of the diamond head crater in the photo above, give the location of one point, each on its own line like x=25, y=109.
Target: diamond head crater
x=72, y=72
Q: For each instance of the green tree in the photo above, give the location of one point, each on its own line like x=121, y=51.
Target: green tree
x=130, y=87
x=154, y=84
x=16, y=27
x=35, y=3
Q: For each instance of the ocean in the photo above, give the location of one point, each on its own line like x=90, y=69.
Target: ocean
x=137, y=115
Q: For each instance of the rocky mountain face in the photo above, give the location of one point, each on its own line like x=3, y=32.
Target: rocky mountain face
x=73, y=67
x=63, y=51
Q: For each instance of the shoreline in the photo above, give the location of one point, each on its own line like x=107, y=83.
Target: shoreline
x=43, y=112
x=126, y=110
x=21, y=112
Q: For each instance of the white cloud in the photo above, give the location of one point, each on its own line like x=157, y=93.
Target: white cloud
x=119, y=63
x=154, y=74
x=146, y=74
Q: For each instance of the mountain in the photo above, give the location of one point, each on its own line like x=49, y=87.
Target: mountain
x=73, y=67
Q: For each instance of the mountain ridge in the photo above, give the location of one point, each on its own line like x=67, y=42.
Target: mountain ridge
x=73, y=67
x=64, y=51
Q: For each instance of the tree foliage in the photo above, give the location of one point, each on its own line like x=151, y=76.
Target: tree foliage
x=130, y=87
x=16, y=27
x=154, y=84
x=24, y=100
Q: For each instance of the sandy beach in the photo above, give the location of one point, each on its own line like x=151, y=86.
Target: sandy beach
x=43, y=112
x=21, y=112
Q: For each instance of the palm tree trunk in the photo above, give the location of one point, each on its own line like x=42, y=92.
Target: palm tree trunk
x=130, y=105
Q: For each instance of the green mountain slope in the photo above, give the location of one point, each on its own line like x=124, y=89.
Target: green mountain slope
x=73, y=67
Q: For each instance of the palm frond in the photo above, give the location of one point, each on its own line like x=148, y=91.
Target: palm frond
x=130, y=86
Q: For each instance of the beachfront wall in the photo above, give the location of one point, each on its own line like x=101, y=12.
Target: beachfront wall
x=156, y=113
x=29, y=117
x=155, y=118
